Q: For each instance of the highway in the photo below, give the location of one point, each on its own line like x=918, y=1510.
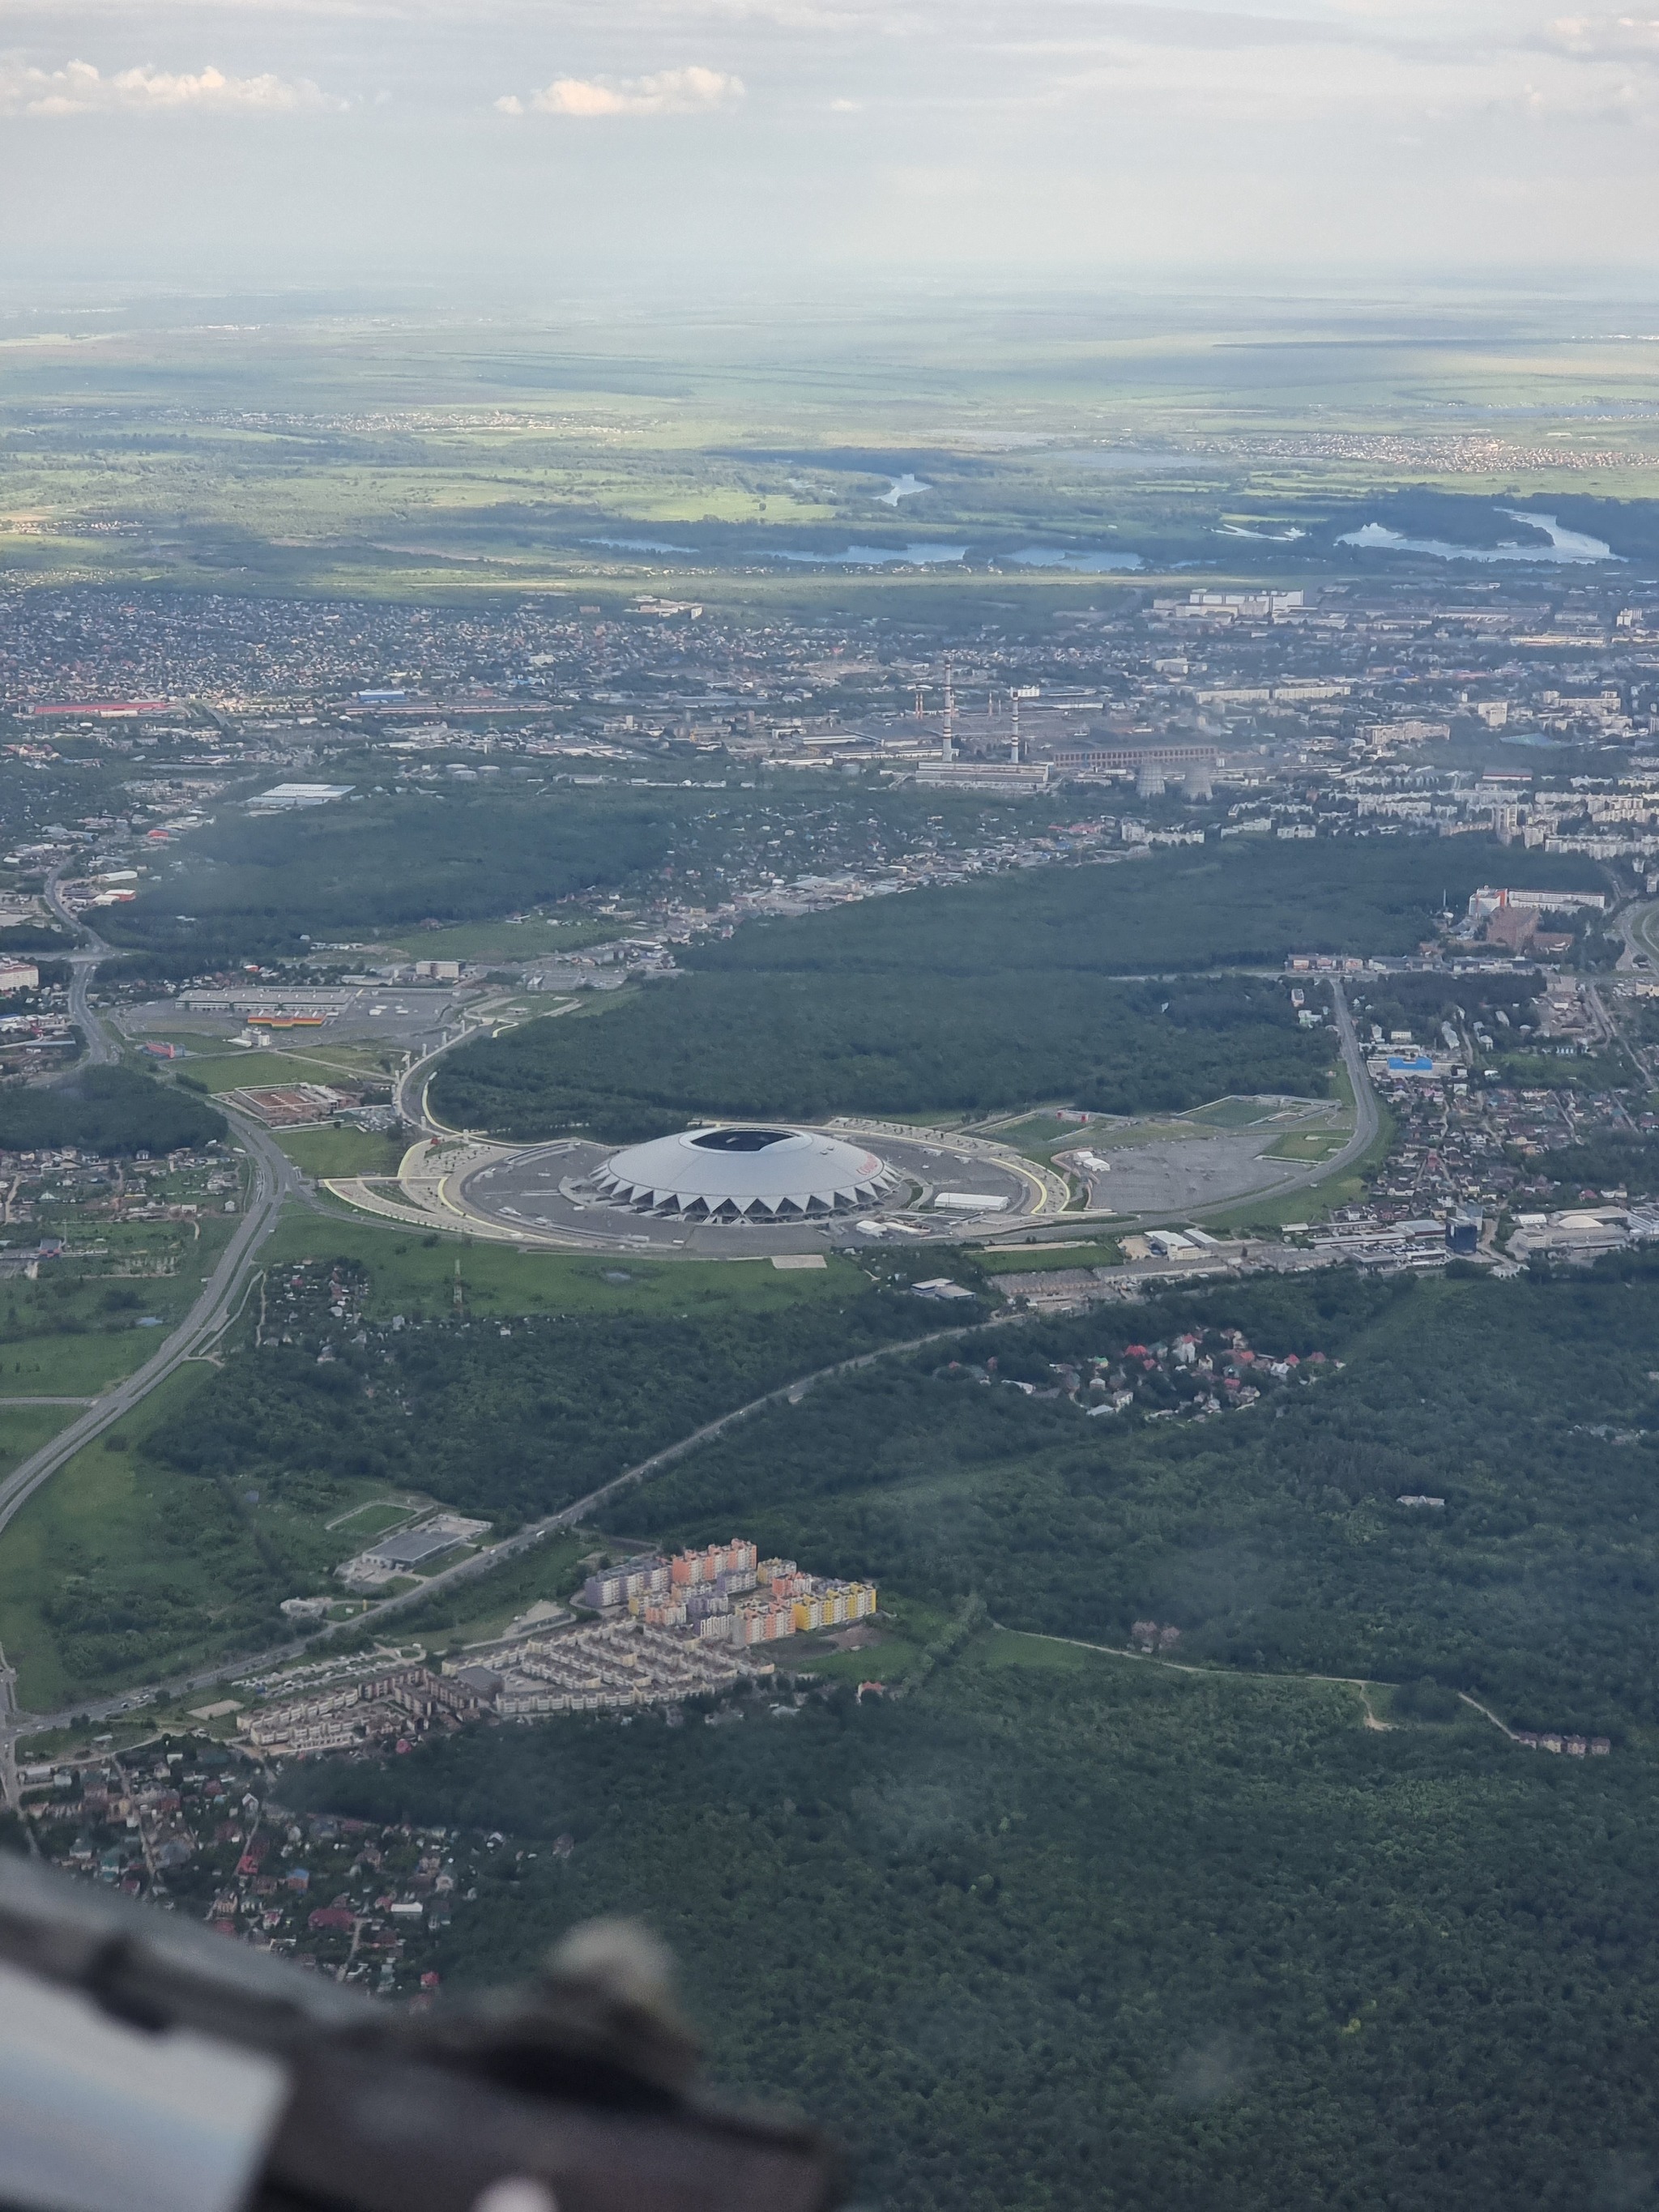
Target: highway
x=273, y=1181
x=9, y=1790
x=469, y=1569
x=1367, y=1114
x=83, y=963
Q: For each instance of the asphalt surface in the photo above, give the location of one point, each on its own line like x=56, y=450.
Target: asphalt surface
x=1367, y=1114
x=275, y=1180
x=468, y=1570
x=83, y=963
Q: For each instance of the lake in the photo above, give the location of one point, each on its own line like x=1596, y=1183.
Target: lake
x=904, y=487
x=874, y=557
x=1085, y=564
x=1564, y=545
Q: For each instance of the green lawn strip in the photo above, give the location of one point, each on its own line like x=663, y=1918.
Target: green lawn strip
x=24, y=1429
x=329, y=1153
x=1310, y=1146
x=1233, y=1113
x=414, y=1276
x=1012, y=1260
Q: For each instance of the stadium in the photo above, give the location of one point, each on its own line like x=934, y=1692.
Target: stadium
x=743, y=1175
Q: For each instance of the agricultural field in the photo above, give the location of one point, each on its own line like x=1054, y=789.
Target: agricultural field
x=305, y=462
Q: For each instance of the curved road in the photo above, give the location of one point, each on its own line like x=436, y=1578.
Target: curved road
x=83, y=963
x=273, y=1180
x=410, y=1097
x=494, y=1555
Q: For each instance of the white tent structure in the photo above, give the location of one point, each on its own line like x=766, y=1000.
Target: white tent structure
x=744, y=1175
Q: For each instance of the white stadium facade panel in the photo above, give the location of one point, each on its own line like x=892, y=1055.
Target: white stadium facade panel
x=744, y=1175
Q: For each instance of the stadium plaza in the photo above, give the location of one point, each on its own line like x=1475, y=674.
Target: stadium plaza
x=726, y=1189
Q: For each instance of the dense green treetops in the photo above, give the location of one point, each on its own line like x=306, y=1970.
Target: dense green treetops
x=1086, y=1936
x=801, y=1047
x=112, y=1110
x=982, y=995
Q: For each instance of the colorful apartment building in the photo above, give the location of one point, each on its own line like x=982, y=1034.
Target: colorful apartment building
x=690, y=1569
x=832, y=1604
x=645, y=1576
x=726, y=1594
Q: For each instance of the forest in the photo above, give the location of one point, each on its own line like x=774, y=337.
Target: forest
x=757, y=1045
x=264, y=887
x=113, y=1111
x=1270, y=1537
x=1083, y=1935
x=1245, y=903
x=508, y=1418
x=984, y=995
x=268, y=886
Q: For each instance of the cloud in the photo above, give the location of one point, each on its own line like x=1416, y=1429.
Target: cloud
x=1607, y=38
x=79, y=88
x=671, y=92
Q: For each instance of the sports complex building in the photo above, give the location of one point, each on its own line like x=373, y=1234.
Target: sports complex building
x=743, y=1175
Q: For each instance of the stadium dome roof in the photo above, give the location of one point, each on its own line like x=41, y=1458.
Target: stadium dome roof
x=738, y=1175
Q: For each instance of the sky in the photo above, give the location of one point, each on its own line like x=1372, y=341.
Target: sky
x=726, y=144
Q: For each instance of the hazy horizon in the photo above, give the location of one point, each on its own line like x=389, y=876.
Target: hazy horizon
x=773, y=144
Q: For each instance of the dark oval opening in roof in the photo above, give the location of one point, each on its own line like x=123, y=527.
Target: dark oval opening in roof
x=740, y=1141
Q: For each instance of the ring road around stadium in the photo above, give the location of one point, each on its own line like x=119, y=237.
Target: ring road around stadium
x=724, y=1191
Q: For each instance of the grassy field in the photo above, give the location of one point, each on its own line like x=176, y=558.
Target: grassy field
x=115, y=1543
x=235, y=1070
x=342, y=1151
x=533, y=939
x=23, y=1429
x=99, y=1519
x=414, y=1275
x=68, y=1335
x=77, y=1365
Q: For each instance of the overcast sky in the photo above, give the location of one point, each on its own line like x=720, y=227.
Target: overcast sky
x=562, y=140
